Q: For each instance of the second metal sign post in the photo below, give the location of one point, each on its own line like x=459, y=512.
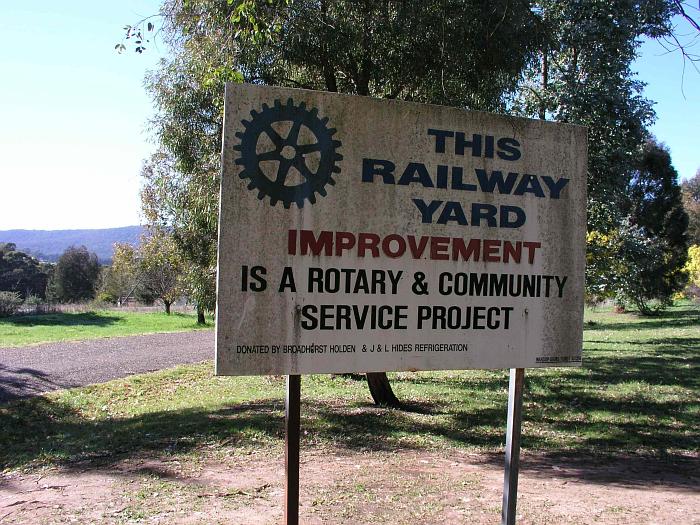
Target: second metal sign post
x=364, y=235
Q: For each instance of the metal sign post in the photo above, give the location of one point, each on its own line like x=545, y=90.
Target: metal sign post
x=292, y=428
x=361, y=234
x=515, y=416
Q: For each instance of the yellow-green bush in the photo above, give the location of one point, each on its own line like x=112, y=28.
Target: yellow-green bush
x=692, y=269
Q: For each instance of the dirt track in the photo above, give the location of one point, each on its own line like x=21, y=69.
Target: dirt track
x=32, y=370
x=392, y=488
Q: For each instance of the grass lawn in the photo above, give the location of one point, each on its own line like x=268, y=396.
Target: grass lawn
x=32, y=329
x=638, y=392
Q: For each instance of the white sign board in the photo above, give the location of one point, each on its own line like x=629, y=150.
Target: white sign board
x=364, y=235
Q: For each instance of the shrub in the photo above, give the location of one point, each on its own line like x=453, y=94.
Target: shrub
x=32, y=301
x=75, y=276
x=107, y=298
x=692, y=267
x=692, y=270
x=9, y=303
x=632, y=267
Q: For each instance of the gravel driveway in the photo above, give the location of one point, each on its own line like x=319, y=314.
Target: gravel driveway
x=32, y=370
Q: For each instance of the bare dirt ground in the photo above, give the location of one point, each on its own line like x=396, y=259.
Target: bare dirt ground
x=407, y=487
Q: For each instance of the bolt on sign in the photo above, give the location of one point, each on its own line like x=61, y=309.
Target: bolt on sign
x=365, y=235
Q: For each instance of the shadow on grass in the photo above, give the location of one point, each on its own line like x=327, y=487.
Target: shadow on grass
x=656, y=324
x=64, y=319
x=672, y=363
x=678, y=317
x=18, y=382
x=40, y=429
x=615, y=406
x=665, y=344
x=491, y=384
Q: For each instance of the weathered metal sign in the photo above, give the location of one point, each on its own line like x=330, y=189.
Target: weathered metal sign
x=370, y=235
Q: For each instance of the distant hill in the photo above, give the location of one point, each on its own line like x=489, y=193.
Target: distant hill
x=48, y=245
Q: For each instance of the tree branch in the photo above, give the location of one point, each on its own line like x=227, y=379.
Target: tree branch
x=684, y=14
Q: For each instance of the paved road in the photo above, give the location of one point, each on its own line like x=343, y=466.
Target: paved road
x=32, y=370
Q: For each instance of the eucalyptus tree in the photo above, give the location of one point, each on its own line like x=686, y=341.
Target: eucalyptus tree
x=584, y=75
x=558, y=59
x=654, y=203
x=464, y=53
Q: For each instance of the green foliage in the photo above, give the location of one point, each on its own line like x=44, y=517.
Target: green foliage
x=691, y=202
x=584, y=76
x=186, y=204
x=181, y=181
x=21, y=273
x=27, y=330
x=160, y=268
x=106, y=297
x=75, y=276
x=152, y=270
x=460, y=52
x=631, y=267
x=653, y=203
x=603, y=267
x=692, y=267
x=9, y=303
x=33, y=301
x=463, y=53
x=643, y=281
x=119, y=282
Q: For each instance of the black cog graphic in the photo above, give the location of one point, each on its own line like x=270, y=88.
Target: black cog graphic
x=289, y=153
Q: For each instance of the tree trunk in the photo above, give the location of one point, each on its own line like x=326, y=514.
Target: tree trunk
x=381, y=391
x=328, y=70
x=167, y=307
x=378, y=382
x=545, y=80
x=200, y=316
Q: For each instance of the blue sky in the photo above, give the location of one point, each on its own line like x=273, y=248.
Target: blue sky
x=677, y=96
x=73, y=113
x=72, y=132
